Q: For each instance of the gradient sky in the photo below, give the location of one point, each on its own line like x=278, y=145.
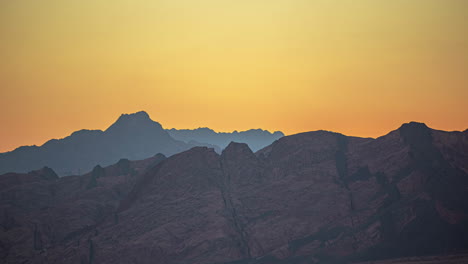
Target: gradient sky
x=360, y=67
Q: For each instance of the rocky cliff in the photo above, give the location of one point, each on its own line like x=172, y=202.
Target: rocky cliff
x=316, y=197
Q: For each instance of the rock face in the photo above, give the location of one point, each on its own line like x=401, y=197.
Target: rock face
x=316, y=197
x=255, y=138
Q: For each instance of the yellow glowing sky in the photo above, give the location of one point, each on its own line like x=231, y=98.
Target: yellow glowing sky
x=360, y=67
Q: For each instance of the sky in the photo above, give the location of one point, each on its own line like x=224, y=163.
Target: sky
x=359, y=67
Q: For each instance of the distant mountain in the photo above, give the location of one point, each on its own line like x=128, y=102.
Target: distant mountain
x=310, y=198
x=255, y=138
x=132, y=136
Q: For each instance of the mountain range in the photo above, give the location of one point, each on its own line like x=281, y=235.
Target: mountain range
x=315, y=197
x=132, y=136
x=255, y=138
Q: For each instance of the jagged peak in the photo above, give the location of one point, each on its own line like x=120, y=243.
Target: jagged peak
x=415, y=133
x=278, y=133
x=237, y=148
x=46, y=173
x=135, y=119
x=141, y=115
x=414, y=125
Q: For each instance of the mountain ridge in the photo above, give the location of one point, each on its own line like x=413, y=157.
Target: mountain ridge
x=132, y=136
x=255, y=138
x=315, y=197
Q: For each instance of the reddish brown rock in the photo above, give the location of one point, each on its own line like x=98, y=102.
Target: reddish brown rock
x=317, y=197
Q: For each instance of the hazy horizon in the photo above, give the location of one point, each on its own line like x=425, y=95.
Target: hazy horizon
x=360, y=68
x=104, y=128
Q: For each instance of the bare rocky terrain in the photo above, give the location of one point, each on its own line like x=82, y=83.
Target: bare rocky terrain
x=316, y=197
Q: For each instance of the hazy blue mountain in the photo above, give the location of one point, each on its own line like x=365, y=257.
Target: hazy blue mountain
x=255, y=138
x=132, y=136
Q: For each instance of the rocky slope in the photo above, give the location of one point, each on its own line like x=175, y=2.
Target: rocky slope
x=317, y=197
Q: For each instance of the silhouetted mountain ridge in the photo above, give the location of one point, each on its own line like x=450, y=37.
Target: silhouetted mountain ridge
x=132, y=136
x=255, y=138
x=315, y=197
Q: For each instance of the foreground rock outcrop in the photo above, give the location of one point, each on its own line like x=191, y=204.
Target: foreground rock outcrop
x=316, y=197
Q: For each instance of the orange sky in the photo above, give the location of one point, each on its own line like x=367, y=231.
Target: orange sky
x=360, y=67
